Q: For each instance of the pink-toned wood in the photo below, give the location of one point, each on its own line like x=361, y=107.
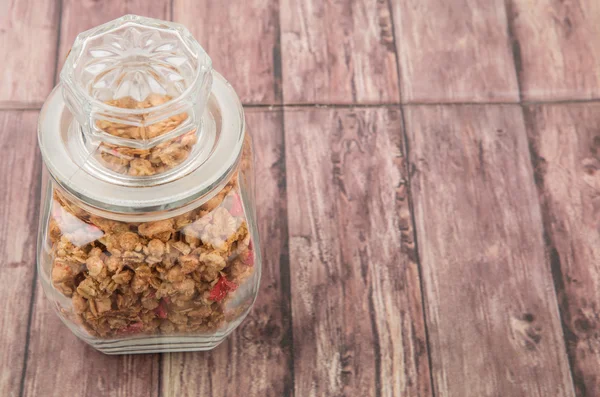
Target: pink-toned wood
x=242, y=38
x=59, y=364
x=79, y=369
x=565, y=146
x=558, y=48
x=256, y=359
x=358, y=324
x=454, y=51
x=28, y=31
x=19, y=181
x=494, y=327
x=81, y=15
x=338, y=52
x=85, y=372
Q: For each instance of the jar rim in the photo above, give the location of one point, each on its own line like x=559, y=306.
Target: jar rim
x=204, y=175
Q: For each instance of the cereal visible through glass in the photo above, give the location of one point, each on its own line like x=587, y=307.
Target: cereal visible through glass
x=148, y=236
x=145, y=162
x=168, y=276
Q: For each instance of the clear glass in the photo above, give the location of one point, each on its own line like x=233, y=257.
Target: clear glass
x=137, y=88
x=148, y=239
x=177, y=283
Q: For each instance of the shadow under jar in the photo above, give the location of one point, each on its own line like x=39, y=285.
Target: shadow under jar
x=148, y=237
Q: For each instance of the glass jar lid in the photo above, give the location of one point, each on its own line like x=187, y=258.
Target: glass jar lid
x=140, y=122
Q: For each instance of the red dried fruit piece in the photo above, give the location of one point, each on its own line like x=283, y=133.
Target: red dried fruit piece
x=161, y=310
x=236, y=206
x=248, y=257
x=132, y=328
x=221, y=289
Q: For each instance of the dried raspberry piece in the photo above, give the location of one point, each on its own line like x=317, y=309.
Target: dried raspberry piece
x=248, y=257
x=221, y=289
x=132, y=328
x=161, y=310
x=236, y=206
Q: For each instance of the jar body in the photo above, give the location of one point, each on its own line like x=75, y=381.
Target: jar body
x=180, y=280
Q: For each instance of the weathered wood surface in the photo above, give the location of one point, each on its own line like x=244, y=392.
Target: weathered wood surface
x=256, y=360
x=357, y=318
x=349, y=271
x=19, y=201
x=242, y=38
x=49, y=340
x=558, y=48
x=59, y=364
x=338, y=52
x=28, y=31
x=80, y=15
x=454, y=51
x=565, y=143
x=494, y=327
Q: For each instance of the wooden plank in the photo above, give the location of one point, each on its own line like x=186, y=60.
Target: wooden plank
x=565, y=145
x=494, y=328
x=59, y=364
x=50, y=341
x=242, y=38
x=81, y=370
x=357, y=318
x=558, y=48
x=454, y=51
x=28, y=31
x=18, y=224
x=81, y=15
x=256, y=359
x=338, y=52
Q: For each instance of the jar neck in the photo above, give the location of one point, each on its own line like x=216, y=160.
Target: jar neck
x=65, y=152
x=141, y=143
x=231, y=177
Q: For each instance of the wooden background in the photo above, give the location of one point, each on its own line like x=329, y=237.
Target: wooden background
x=429, y=202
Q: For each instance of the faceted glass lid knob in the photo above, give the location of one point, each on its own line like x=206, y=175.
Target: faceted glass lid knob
x=127, y=81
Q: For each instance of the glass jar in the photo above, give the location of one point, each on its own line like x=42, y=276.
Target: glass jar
x=148, y=237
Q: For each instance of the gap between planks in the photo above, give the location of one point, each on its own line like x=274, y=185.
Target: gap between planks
x=271, y=106
x=550, y=248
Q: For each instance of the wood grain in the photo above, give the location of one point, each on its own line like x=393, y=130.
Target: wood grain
x=18, y=225
x=566, y=150
x=80, y=370
x=242, y=38
x=337, y=180
x=81, y=15
x=558, y=48
x=338, y=52
x=494, y=328
x=454, y=51
x=357, y=319
x=256, y=359
x=28, y=31
x=59, y=364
